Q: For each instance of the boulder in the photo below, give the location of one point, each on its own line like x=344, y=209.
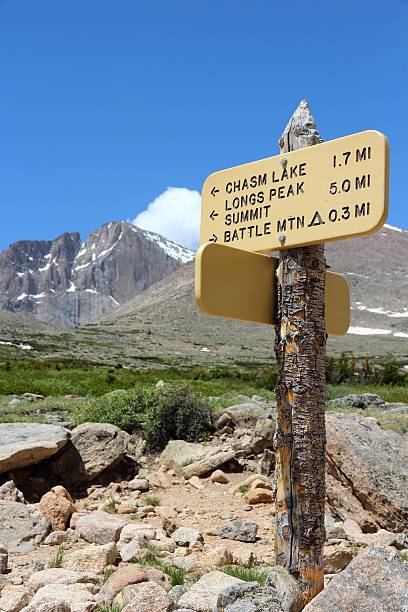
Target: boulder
x=100, y=446
x=99, y=527
x=57, y=506
x=93, y=556
x=56, y=538
x=208, y=464
x=355, y=535
x=203, y=594
x=243, y=531
x=179, y=453
x=23, y=444
x=121, y=578
x=22, y=527
x=376, y=579
x=372, y=465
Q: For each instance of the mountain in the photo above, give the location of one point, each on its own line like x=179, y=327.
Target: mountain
x=67, y=283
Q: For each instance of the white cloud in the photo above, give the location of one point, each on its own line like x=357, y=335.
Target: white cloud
x=174, y=214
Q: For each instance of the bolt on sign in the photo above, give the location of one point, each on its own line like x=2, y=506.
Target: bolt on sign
x=333, y=190
x=237, y=284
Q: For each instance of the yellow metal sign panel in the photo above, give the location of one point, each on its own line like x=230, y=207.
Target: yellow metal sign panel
x=333, y=190
x=236, y=284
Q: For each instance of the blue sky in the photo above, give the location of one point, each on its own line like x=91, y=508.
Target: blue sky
x=106, y=104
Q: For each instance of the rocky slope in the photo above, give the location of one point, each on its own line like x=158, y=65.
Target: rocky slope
x=155, y=533
x=67, y=283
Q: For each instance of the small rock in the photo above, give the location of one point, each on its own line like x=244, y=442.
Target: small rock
x=196, y=483
x=203, y=594
x=99, y=527
x=258, y=496
x=243, y=531
x=337, y=557
x=53, y=576
x=9, y=491
x=122, y=577
x=336, y=531
x=208, y=464
x=179, y=453
x=57, y=506
x=186, y=536
x=66, y=598
x=56, y=538
x=262, y=437
x=13, y=599
x=244, y=556
x=139, y=484
x=150, y=597
x=225, y=420
x=220, y=477
x=96, y=557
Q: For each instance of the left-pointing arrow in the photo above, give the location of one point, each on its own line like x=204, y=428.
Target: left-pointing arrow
x=214, y=190
x=213, y=215
x=213, y=239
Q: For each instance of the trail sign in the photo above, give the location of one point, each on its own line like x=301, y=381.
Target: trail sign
x=237, y=284
x=333, y=190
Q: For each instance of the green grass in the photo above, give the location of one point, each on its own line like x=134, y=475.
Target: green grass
x=244, y=488
x=110, y=608
x=151, y=500
x=107, y=573
x=404, y=555
x=59, y=558
x=387, y=393
x=175, y=574
x=247, y=574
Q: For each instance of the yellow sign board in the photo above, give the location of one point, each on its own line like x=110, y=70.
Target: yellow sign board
x=236, y=284
x=333, y=190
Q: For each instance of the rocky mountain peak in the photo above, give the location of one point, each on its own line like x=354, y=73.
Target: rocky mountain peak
x=66, y=282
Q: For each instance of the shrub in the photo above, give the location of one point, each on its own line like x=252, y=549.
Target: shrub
x=125, y=409
x=160, y=415
x=59, y=558
x=391, y=374
x=177, y=413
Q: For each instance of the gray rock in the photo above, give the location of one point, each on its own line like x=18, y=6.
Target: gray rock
x=286, y=588
x=67, y=597
x=9, y=491
x=179, y=453
x=224, y=420
x=247, y=411
x=267, y=466
x=363, y=401
x=243, y=531
x=208, y=464
x=100, y=446
x=370, y=465
x=263, y=433
x=234, y=592
x=14, y=402
x=99, y=527
x=202, y=596
x=376, y=580
x=23, y=444
x=176, y=592
x=186, y=536
x=22, y=527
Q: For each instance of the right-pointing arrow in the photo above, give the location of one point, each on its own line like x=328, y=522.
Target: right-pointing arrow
x=213, y=239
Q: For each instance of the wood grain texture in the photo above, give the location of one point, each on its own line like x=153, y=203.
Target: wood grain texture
x=300, y=437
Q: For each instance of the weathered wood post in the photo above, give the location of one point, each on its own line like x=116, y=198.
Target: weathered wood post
x=300, y=437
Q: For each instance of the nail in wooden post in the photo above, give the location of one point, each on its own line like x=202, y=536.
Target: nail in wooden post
x=300, y=437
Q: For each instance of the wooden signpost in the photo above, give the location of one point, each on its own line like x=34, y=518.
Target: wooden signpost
x=311, y=193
